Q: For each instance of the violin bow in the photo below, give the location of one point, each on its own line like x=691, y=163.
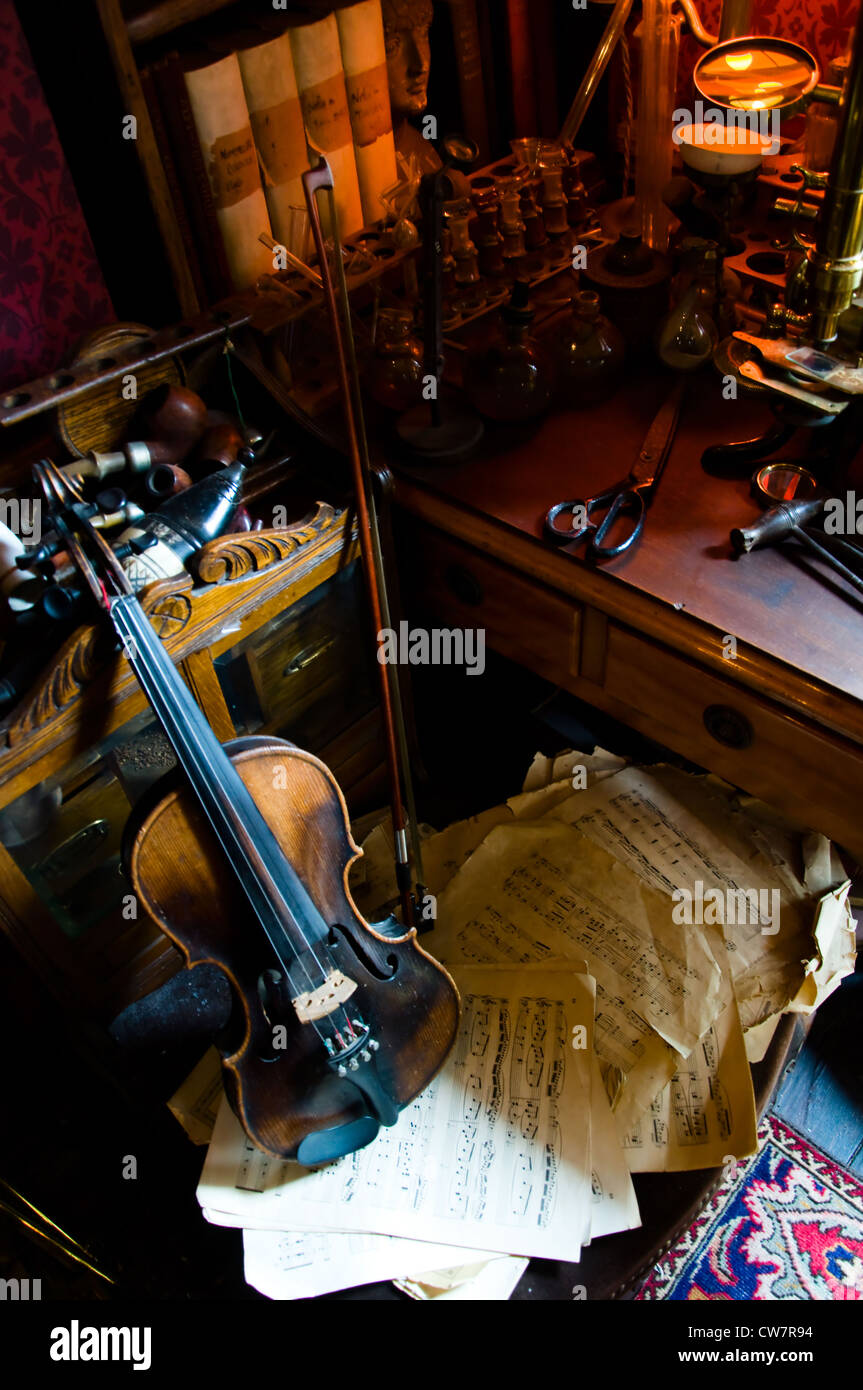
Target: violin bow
x=320, y=177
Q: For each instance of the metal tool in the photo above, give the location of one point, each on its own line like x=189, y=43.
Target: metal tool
x=793, y=356
x=791, y=519
x=631, y=497
x=753, y=372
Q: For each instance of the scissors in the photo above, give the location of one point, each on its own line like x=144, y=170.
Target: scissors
x=631, y=497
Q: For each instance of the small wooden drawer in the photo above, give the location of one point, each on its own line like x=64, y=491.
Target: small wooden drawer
x=810, y=774
x=522, y=619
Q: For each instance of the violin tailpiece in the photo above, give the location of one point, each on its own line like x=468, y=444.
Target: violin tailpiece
x=317, y=1003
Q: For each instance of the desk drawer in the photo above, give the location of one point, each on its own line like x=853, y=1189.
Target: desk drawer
x=814, y=777
x=523, y=620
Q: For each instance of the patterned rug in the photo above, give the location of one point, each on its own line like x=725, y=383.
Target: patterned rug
x=786, y=1224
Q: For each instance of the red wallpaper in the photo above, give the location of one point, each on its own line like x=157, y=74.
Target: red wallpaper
x=51, y=288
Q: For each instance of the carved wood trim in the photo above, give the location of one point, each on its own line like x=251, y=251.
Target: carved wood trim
x=246, y=552
x=74, y=666
x=171, y=605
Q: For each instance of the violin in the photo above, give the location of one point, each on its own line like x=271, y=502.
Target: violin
x=336, y=1024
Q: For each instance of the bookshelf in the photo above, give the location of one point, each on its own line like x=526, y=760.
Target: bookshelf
x=134, y=33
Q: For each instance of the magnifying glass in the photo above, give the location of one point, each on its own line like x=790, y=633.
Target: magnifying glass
x=757, y=74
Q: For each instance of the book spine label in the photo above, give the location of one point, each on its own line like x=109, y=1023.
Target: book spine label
x=326, y=111
x=233, y=168
x=369, y=104
x=282, y=160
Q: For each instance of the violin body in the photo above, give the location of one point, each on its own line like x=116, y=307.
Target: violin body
x=289, y=1099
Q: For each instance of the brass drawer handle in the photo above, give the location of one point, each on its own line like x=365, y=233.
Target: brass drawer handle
x=308, y=655
x=464, y=585
x=728, y=726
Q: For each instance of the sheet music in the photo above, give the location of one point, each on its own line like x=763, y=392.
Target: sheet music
x=645, y=817
x=539, y=890
x=494, y=1155
x=706, y=1113
x=304, y=1264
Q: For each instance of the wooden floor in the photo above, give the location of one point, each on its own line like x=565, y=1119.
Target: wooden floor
x=821, y=1095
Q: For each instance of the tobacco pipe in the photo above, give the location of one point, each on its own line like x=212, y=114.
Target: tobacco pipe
x=166, y=480
x=172, y=417
x=219, y=446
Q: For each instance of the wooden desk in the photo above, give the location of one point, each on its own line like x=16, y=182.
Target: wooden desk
x=641, y=637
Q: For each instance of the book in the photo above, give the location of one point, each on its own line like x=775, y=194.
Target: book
x=364, y=58
x=273, y=99
x=221, y=119
x=324, y=99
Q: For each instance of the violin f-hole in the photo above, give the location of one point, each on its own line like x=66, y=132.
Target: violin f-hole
x=340, y=936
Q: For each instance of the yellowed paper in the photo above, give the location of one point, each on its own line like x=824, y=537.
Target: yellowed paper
x=545, y=771
x=538, y=890
x=707, y=1111
x=614, y=1204
x=758, y=1038
x=836, y=951
x=196, y=1102
x=640, y=820
x=490, y=1282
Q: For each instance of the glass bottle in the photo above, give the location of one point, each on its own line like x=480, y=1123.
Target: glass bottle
x=513, y=378
x=396, y=371
x=489, y=240
x=458, y=214
x=688, y=336
x=591, y=353
x=552, y=162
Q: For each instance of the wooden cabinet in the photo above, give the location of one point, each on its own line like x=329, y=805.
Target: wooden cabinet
x=273, y=644
x=758, y=725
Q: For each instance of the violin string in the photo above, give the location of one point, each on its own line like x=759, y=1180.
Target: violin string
x=129, y=621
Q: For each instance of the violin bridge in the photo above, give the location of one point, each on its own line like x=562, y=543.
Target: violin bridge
x=317, y=1003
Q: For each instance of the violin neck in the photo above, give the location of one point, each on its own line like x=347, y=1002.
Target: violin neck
x=279, y=898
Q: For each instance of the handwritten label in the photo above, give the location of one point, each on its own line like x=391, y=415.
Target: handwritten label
x=233, y=167
x=369, y=104
x=325, y=108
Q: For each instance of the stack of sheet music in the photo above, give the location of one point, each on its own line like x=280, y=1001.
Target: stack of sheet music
x=624, y=941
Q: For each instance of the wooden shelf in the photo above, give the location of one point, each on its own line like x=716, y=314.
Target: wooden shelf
x=162, y=18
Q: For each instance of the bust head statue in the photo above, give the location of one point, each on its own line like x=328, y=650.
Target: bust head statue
x=406, y=29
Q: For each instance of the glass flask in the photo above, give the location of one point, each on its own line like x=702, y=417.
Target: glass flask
x=591, y=353
x=512, y=379
x=395, y=372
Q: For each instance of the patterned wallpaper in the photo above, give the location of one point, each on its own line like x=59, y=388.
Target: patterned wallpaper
x=51, y=288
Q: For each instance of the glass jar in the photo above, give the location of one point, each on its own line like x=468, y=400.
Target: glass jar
x=395, y=372
x=512, y=379
x=591, y=353
x=688, y=336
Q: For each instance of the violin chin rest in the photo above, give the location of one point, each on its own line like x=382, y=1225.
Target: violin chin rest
x=327, y=1144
